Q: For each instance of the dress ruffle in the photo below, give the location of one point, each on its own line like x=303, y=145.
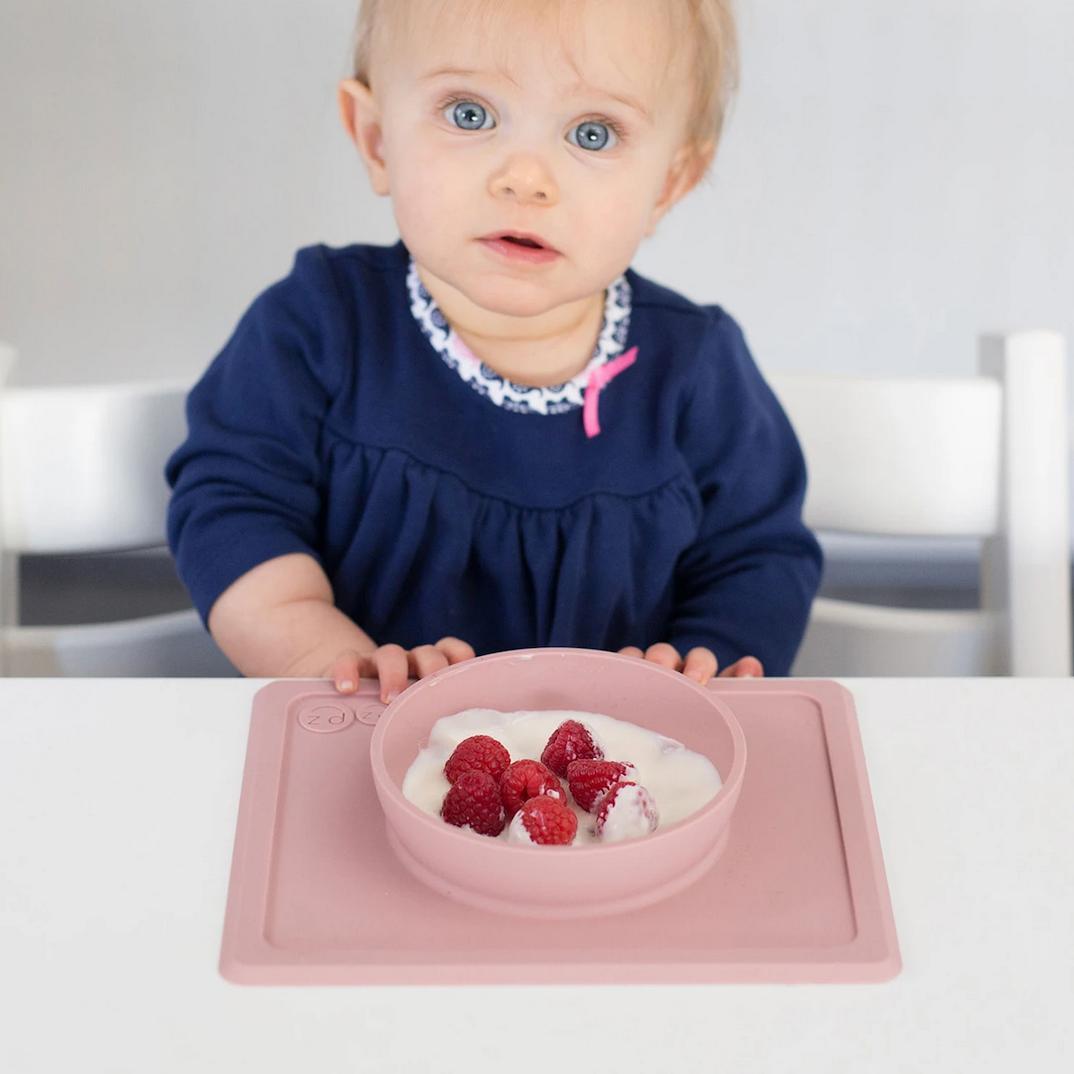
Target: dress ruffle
x=573, y=575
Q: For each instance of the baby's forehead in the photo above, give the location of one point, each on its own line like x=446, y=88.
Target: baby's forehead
x=621, y=46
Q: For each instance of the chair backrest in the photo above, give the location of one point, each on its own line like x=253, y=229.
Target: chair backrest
x=983, y=456
x=82, y=470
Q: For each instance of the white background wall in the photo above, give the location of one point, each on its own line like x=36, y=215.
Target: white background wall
x=895, y=178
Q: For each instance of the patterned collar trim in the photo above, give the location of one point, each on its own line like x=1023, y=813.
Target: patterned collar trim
x=521, y=398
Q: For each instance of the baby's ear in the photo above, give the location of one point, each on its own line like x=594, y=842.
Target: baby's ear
x=360, y=113
x=686, y=169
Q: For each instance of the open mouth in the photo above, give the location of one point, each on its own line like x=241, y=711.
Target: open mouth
x=521, y=249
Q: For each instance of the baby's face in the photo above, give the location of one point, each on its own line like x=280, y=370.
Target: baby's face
x=523, y=147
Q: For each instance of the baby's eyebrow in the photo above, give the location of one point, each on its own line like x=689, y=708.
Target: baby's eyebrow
x=576, y=89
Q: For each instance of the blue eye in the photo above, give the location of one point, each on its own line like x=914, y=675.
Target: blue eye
x=594, y=134
x=467, y=113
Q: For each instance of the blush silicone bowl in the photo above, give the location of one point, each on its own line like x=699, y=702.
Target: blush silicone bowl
x=558, y=881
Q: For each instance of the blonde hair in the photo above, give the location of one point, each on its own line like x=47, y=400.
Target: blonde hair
x=708, y=25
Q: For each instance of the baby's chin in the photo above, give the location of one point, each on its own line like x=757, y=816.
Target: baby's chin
x=511, y=297
x=506, y=292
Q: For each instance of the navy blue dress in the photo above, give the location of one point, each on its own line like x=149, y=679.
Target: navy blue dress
x=345, y=419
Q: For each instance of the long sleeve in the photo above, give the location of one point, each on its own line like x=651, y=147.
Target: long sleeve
x=746, y=585
x=247, y=482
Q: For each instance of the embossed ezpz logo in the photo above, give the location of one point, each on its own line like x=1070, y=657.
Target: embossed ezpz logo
x=324, y=717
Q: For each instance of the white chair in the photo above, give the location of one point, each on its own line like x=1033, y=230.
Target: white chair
x=81, y=471
x=983, y=456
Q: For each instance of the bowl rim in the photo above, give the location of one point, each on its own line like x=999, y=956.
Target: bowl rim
x=386, y=785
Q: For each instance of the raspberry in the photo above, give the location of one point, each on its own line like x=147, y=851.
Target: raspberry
x=480, y=752
x=474, y=800
x=627, y=812
x=569, y=742
x=545, y=821
x=524, y=780
x=589, y=780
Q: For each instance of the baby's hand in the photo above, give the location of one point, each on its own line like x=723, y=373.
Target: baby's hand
x=392, y=665
x=700, y=664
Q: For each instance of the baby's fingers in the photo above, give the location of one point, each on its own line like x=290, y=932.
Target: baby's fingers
x=392, y=671
x=426, y=659
x=664, y=654
x=748, y=667
x=700, y=665
x=344, y=672
x=455, y=650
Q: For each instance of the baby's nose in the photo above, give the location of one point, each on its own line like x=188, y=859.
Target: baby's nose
x=525, y=178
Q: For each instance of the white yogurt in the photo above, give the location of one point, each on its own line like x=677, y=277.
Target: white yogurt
x=630, y=817
x=679, y=780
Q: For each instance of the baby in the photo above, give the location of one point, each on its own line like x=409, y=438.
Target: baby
x=495, y=434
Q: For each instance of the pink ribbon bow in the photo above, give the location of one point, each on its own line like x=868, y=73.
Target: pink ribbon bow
x=599, y=379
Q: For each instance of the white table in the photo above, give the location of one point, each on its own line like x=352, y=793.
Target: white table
x=118, y=801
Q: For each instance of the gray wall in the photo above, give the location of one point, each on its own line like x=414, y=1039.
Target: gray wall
x=895, y=178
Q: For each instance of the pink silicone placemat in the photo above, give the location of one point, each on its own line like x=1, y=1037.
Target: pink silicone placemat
x=317, y=897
